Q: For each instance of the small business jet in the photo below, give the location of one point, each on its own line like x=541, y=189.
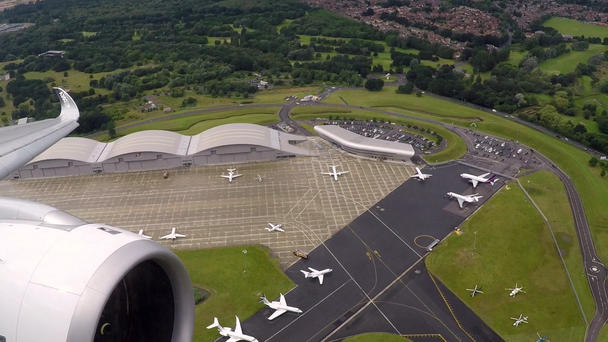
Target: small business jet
x=475, y=290
x=316, y=274
x=464, y=198
x=521, y=319
x=281, y=307
x=231, y=175
x=141, y=233
x=515, y=290
x=275, y=227
x=420, y=176
x=172, y=236
x=334, y=172
x=234, y=335
x=479, y=179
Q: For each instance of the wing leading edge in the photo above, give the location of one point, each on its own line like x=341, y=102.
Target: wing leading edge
x=20, y=144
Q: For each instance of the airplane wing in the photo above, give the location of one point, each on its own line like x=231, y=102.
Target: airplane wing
x=233, y=339
x=21, y=143
x=282, y=300
x=276, y=314
x=312, y=269
x=343, y=172
x=165, y=237
x=474, y=182
x=234, y=176
x=460, y=201
x=321, y=279
x=180, y=235
x=225, y=176
x=484, y=175
x=237, y=328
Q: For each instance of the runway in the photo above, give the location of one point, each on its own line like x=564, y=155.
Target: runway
x=379, y=282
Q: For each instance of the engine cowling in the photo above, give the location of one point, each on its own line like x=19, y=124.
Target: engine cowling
x=62, y=279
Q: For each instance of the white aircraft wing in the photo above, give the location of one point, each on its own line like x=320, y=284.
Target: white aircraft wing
x=321, y=279
x=180, y=235
x=233, y=339
x=342, y=172
x=21, y=143
x=276, y=314
x=226, y=176
x=282, y=300
x=237, y=175
x=237, y=328
x=460, y=201
x=312, y=269
x=474, y=181
x=484, y=175
x=165, y=237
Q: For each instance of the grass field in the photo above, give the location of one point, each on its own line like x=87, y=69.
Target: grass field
x=75, y=81
x=235, y=280
x=516, y=56
x=278, y=95
x=576, y=28
x=567, y=62
x=455, y=149
x=376, y=337
x=531, y=261
x=592, y=188
x=549, y=194
x=195, y=124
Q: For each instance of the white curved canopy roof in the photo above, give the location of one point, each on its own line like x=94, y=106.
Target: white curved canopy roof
x=244, y=134
x=147, y=141
x=80, y=149
x=91, y=151
x=355, y=141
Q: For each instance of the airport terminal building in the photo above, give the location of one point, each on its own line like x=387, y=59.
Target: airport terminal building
x=157, y=150
x=364, y=146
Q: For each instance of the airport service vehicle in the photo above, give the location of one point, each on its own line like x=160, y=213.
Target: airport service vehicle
x=300, y=253
x=281, y=307
x=420, y=176
x=316, y=274
x=464, y=198
x=483, y=178
x=233, y=335
x=334, y=172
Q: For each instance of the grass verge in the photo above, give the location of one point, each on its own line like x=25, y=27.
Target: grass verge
x=376, y=337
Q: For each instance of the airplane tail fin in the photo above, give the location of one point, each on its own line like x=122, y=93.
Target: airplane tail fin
x=306, y=274
x=493, y=180
x=263, y=299
x=215, y=324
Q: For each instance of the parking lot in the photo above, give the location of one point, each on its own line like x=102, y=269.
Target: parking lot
x=213, y=212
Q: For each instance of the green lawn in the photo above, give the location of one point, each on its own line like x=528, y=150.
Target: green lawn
x=75, y=81
x=481, y=258
x=376, y=337
x=567, y=62
x=549, y=194
x=576, y=28
x=455, y=149
x=235, y=281
x=515, y=57
x=195, y=124
x=278, y=95
x=211, y=40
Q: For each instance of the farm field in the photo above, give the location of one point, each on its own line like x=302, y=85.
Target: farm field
x=567, y=62
x=576, y=27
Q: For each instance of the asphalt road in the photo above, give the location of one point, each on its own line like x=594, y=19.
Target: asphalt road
x=374, y=261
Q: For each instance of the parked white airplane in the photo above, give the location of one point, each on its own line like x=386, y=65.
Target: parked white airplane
x=273, y=227
x=420, y=176
x=172, y=236
x=281, y=307
x=516, y=290
x=479, y=179
x=231, y=175
x=464, y=198
x=316, y=273
x=475, y=290
x=235, y=335
x=334, y=172
x=521, y=319
x=141, y=233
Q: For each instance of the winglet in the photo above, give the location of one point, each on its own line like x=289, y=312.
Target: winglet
x=69, y=110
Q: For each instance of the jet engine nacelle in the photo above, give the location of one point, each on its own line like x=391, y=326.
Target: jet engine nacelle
x=62, y=279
